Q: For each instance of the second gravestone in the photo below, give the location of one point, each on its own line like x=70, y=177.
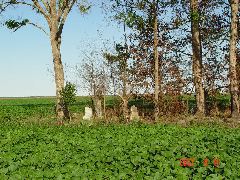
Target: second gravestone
x=134, y=113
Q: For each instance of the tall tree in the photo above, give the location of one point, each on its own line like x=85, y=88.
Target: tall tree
x=55, y=12
x=125, y=96
x=145, y=19
x=197, y=57
x=234, y=89
x=120, y=59
x=212, y=21
x=156, y=62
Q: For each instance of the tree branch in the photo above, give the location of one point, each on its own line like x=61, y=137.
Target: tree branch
x=39, y=27
x=39, y=7
x=63, y=16
x=10, y=3
x=61, y=9
x=46, y=5
x=53, y=5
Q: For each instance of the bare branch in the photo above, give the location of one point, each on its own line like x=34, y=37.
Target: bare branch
x=46, y=5
x=61, y=8
x=63, y=17
x=39, y=7
x=39, y=27
x=5, y=5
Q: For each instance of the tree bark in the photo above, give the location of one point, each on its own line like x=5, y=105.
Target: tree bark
x=97, y=103
x=125, y=108
x=62, y=111
x=156, y=65
x=125, y=96
x=234, y=89
x=197, y=58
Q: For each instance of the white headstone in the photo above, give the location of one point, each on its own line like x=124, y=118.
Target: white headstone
x=88, y=113
x=134, y=113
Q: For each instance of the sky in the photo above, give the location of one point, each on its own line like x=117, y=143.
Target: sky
x=25, y=55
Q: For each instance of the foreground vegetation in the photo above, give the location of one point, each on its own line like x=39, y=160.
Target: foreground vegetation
x=117, y=152
x=33, y=145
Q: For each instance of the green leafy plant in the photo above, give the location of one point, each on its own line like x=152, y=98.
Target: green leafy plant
x=68, y=94
x=117, y=152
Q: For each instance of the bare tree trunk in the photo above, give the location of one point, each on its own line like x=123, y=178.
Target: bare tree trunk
x=234, y=90
x=238, y=72
x=156, y=65
x=125, y=97
x=97, y=104
x=125, y=107
x=104, y=105
x=62, y=111
x=197, y=59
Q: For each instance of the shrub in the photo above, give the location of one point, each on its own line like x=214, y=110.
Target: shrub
x=68, y=94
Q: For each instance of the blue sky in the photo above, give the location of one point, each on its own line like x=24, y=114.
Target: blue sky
x=26, y=54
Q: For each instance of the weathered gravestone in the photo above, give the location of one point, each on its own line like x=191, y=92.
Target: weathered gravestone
x=88, y=113
x=134, y=113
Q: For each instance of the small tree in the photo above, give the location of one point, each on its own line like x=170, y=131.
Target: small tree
x=122, y=74
x=93, y=73
x=68, y=95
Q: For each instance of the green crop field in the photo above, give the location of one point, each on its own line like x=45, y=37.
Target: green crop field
x=117, y=152
x=20, y=109
x=113, y=151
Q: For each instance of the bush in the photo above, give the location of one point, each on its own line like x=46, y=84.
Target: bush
x=68, y=94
